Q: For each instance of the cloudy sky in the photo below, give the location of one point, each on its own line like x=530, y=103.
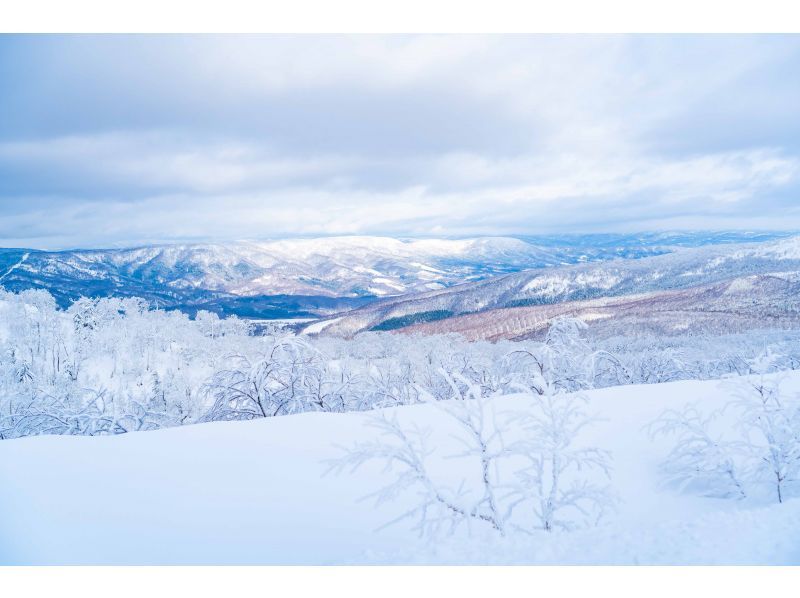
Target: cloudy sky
x=107, y=141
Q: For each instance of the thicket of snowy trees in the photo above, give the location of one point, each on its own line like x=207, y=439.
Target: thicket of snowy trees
x=112, y=366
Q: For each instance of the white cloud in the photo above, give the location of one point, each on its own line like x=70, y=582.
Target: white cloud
x=539, y=195
x=163, y=160
x=268, y=136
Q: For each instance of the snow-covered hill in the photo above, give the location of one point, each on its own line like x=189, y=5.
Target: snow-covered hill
x=683, y=269
x=302, y=277
x=330, y=267
x=253, y=492
x=732, y=306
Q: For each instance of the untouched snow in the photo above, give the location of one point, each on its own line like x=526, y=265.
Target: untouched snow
x=318, y=327
x=253, y=492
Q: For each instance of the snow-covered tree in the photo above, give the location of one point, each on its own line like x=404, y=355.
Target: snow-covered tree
x=769, y=419
x=404, y=450
x=767, y=449
x=528, y=469
x=699, y=459
x=563, y=482
x=156, y=368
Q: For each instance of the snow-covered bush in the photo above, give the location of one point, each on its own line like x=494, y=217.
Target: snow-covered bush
x=556, y=482
x=769, y=421
x=528, y=468
x=437, y=507
x=766, y=450
x=699, y=460
x=274, y=383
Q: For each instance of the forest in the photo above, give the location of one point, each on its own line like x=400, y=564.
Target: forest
x=111, y=366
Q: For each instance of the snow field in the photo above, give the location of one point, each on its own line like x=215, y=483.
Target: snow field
x=254, y=492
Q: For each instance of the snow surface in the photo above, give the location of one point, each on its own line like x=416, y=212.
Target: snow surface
x=253, y=492
x=15, y=266
x=318, y=327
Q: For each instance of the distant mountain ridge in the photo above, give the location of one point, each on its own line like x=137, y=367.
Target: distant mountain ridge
x=736, y=305
x=314, y=277
x=682, y=269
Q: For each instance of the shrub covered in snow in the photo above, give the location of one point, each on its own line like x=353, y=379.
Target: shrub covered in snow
x=528, y=470
x=762, y=448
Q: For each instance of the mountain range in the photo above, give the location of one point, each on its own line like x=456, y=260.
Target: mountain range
x=764, y=273
x=310, y=277
x=387, y=283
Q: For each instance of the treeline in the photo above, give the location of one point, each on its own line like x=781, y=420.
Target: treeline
x=110, y=366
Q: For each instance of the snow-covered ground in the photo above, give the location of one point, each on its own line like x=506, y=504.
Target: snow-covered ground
x=254, y=492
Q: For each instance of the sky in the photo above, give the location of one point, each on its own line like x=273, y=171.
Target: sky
x=117, y=140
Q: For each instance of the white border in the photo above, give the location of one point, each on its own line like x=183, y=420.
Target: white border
x=400, y=582
x=428, y=16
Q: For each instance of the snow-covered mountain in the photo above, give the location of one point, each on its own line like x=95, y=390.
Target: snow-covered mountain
x=733, y=306
x=314, y=277
x=291, y=277
x=680, y=270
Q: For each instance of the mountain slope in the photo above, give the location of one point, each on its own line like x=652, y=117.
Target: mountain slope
x=736, y=305
x=682, y=269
